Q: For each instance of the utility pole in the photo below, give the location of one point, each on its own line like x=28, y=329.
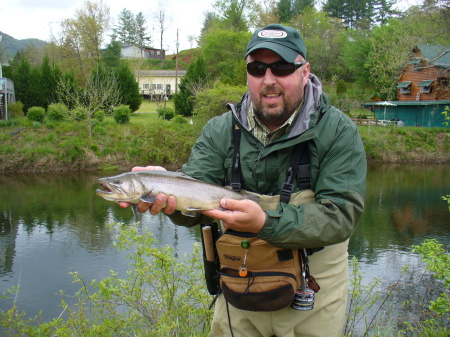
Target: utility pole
x=176, y=65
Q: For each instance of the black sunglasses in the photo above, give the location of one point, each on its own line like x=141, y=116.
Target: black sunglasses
x=279, y=68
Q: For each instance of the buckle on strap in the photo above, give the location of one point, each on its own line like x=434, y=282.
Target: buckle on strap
x=287, y=188
x=236, y=187
x=303, y=176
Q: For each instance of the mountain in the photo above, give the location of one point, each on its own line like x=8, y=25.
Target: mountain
x=13, y=45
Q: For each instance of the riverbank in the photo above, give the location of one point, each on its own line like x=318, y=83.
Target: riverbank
x=27, y=146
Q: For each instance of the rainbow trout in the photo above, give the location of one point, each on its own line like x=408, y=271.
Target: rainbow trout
x=191, y=194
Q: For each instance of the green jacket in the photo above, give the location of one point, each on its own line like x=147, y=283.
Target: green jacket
x=338, y=170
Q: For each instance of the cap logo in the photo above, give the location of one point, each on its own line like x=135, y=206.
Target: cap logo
x=272, y=34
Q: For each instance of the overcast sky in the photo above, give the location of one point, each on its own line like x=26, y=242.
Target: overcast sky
x=24, y=19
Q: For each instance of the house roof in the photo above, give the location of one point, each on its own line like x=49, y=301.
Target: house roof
x=437, y=55
x=159, y=73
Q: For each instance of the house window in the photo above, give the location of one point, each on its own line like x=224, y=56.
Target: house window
x=145, y=86
x=153, y=86
x=159, y=86
x=426, y=86
x=405, y=87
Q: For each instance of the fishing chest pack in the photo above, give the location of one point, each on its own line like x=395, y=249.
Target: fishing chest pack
x=252, y=274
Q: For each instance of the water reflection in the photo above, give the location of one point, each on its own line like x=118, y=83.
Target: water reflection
x=53, y=224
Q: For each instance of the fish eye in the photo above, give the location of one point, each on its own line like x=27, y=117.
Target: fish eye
x=117, y=181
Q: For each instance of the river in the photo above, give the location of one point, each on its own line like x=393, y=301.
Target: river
x=54, y=224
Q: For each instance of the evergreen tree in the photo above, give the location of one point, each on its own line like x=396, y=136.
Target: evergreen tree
x=141, y=36
x=197, y=76
x=125, y=29
x=111, y=55
x=48, y=83
x=129, y=88
x=22, y=82
x=284, y=10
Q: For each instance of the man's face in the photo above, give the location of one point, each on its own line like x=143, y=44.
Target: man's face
x=275, y=98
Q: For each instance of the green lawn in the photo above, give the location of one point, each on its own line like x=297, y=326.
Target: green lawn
x=147, y=106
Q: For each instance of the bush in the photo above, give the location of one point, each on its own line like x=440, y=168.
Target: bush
x=178, y=119
x=15, y=109
x=213, y=102
x=79, y=113
x=99, y=115
x=36, y=114
x=122, y=114
x=341, y=87
x=166, y=113
x=57, y=112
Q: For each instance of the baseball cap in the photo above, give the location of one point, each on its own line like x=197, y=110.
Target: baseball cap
x=283, y=40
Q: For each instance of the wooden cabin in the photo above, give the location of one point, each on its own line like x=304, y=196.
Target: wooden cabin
x=426, y=77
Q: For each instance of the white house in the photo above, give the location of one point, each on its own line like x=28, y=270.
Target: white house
x=158, y=83
x=7, y=94
x=134, y=52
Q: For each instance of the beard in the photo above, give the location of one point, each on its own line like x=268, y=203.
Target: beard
x=272, y=113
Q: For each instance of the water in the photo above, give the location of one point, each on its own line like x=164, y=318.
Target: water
x=54, y=224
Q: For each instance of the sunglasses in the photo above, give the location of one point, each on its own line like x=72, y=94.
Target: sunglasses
x=279, y=68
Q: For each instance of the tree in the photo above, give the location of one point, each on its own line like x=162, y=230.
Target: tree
x=223, y=51
x=91, y=23
x=142, y=38
x=112, y=53
x=323, y=39
x=235, y=15
x=128, y=87
x=22, y=82
x=125, y=29
x=284, y=10
x=197, y=78
x=163, y=19
x=101, y=92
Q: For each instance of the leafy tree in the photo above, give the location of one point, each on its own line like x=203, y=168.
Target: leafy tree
x=91, y=23
x=323, y=39
x=197, y=78
x=235, y=15
x=223, y=52
x=354, y=53
x=128, y=87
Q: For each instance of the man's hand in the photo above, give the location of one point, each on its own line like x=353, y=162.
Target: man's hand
x=162, y=203
x=240, y=215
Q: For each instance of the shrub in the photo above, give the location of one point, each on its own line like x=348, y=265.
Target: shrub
x=165, y=113
x=99, y=115
x=178, y=119
x=341, y=87
x=15, y=109
x=122, y=114
x=79, y=113
x=57, y=112
x=36, y=114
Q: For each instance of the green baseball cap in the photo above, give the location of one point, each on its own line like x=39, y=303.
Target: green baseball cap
x=283, y=40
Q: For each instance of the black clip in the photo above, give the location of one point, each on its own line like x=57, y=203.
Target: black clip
x=287, y=188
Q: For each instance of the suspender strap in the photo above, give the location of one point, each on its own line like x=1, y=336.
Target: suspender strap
x=298, y=170
x=237, y=182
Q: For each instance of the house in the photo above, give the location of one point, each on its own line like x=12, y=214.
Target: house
x=7, y=94
x=423, y=90
x=427, y=75
x=134, y=52
x=155, y=84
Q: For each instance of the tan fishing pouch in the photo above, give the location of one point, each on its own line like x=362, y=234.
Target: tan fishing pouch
x=272, y=274
x=260, y=277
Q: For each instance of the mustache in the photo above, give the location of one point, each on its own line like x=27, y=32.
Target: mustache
x=271, y=89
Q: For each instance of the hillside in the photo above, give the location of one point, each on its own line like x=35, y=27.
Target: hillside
x=13, y=45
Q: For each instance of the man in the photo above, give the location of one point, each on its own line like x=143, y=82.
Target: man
x=284, y=107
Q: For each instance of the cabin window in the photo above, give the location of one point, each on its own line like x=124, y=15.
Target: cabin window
x=145, y=86
x=426, y=86
x=159, y=86
x=405, y=87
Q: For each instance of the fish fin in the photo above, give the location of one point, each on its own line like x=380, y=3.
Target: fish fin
x=137, y=215
x=151, y=198
x=190, y=213
x=252, y=196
